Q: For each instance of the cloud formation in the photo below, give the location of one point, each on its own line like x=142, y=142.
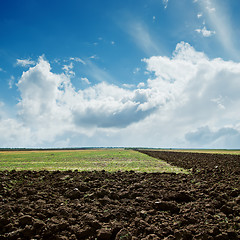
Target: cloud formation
x=142, y=37
x=84, y=79
x=11, y=82
x=218, y=18
x=165, y=3
x=205, y=32
x=25, y=62
x=225, y=136
x=189, y=100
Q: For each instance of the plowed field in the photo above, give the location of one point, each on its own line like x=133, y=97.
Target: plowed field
x=125, y=205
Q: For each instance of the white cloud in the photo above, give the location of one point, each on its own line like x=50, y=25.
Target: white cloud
x=126, y=85
x=199, y=15
x=165, y=3
x=11, y=81
x=220, y=20
x=68, y=69
x=141, y=85
x=50, y=106
x=112, y=42
x=225, y=136
x=14, y=134
x=191, y=82
x=77, y=59
x=25, y=62
x=1, y=70
x=84, y=79
x=219, y=101
x=205, y=32
x=210, y=9
x=189, y=100
x=93, y=57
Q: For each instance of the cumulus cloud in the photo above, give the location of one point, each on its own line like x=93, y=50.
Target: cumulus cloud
x=14, y=134
x=25, y=62
x=41, y=107
x=188, y=100
x=199, y=91
x=50, y=106
x=225, y=137
x=205, y=32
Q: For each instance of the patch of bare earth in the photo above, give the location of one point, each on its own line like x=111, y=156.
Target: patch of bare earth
x=124, y=205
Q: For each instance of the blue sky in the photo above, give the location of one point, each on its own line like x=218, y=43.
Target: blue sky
x=151, y=73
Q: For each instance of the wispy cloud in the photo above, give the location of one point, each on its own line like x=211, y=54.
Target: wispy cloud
x=142, y=37
x=205, y=32
x=11, y=81
x=220, y=21
x=93, y=57
x=69, y=69
x=126, y=85
x=136, y=70
x=77, y=59
x=165, y=3
x=98, y=73
x=84, y=79
x=25, y=62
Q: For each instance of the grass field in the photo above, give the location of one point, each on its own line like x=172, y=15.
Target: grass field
x=84, y=160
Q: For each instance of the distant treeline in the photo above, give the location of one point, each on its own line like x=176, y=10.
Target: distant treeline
x=92, y=148
x=57, y=149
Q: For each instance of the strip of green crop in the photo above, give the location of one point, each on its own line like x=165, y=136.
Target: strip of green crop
x=84, y=160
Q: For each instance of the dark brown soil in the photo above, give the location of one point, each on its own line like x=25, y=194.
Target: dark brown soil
x=124, y=205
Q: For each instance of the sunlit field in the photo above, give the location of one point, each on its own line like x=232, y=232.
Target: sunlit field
x=84, y=160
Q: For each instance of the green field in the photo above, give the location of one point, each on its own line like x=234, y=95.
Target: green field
x=84, y=160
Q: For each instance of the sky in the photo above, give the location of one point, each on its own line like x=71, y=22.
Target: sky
x=129, y=73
